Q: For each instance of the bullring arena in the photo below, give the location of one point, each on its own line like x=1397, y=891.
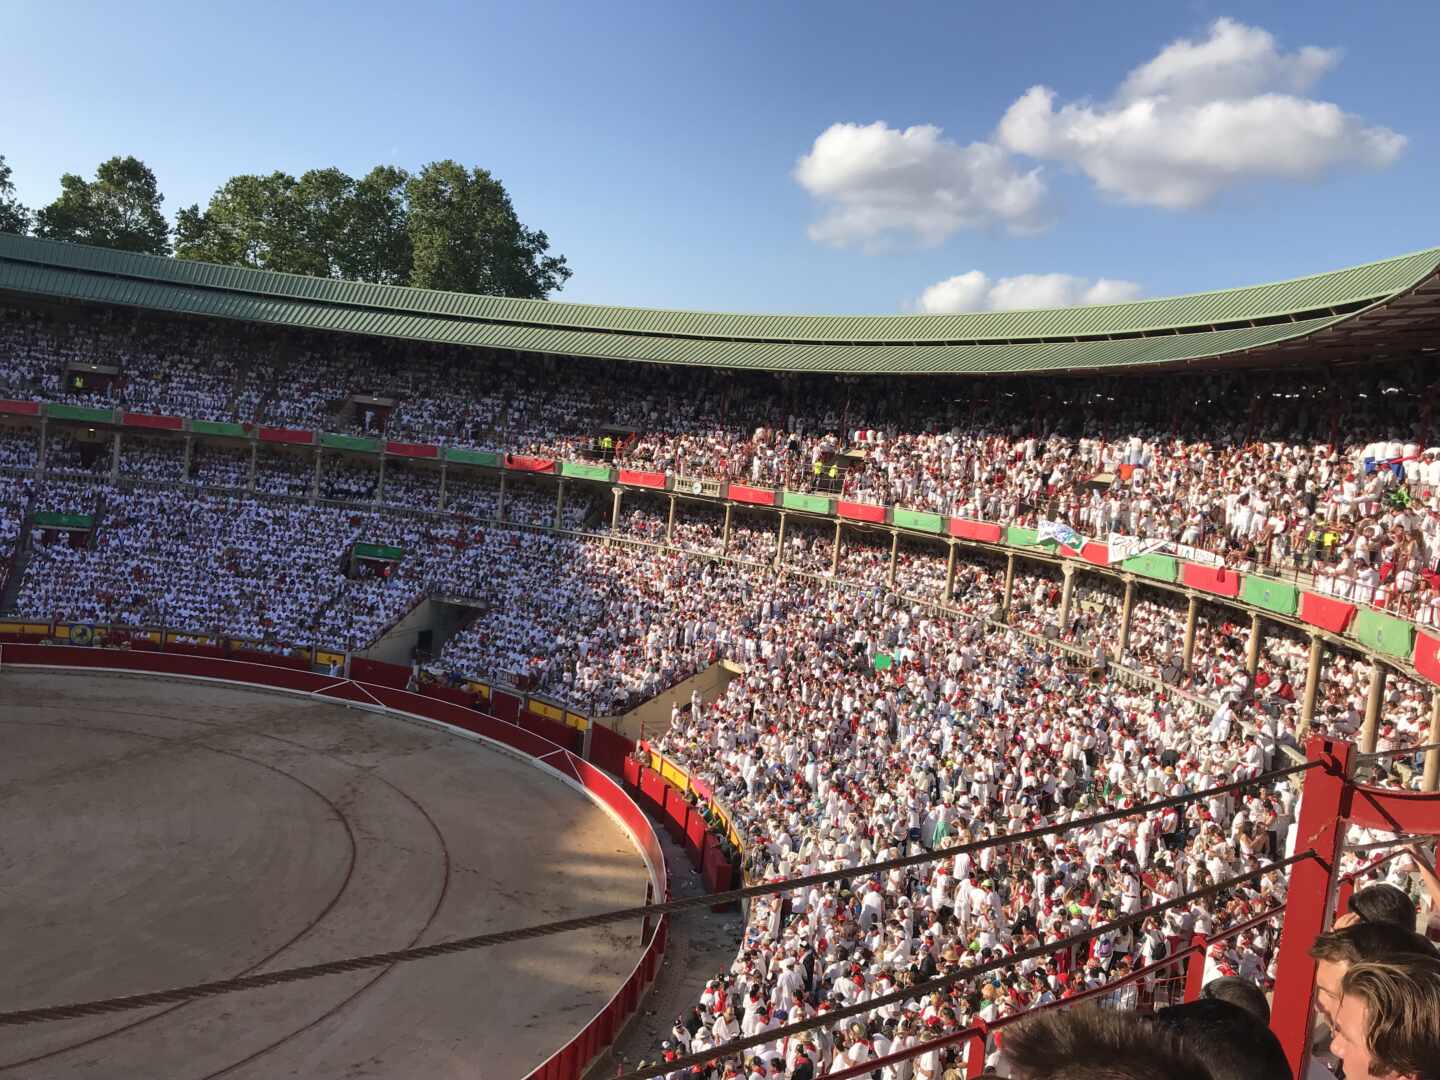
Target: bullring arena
x=163, y=832
x=988, y=664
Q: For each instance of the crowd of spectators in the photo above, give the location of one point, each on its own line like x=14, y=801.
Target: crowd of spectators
x=1293, y=472
x=866, y=723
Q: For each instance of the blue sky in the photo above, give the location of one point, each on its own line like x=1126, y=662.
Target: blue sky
x=658, y=143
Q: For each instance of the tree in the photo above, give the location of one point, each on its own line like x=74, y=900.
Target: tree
x=376, y=243
x=253, y=221
x=465, y=237
x=119, y=209
x=14, y=218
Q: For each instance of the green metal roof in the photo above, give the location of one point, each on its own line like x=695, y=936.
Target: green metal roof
x=1184, y=327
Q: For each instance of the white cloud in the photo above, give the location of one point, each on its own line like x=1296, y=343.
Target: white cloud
x=974, y=291
x=878, y=181
x=1202, y=117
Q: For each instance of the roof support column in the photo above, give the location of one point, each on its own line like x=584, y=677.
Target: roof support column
x=1126, y=608
x=1431, y=779
x=115, y=458
x=380, y=481
x=1370, y=732
x=1067, y=595
x=1009, y=582
x=560, y=503
x=1312, y=686
x=780, y=545
x=894, y=558
x=1188, y=652
x=44, y=445
x=189, y=457
x=835, y=552
x=1252, y=648
x=500, y=503
x=254, y=454
x=617, y=492
x=725, y=539
x=670, y=522
x=949, y=594
x=444, y=474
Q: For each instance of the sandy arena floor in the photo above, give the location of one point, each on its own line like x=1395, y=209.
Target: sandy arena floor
x=155, y=834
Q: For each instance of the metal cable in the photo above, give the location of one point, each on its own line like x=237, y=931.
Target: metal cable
x=940, y=983
x=484, y=941
x=1382, y=754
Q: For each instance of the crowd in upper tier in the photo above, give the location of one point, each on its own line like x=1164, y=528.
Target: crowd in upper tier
x=1335, y=474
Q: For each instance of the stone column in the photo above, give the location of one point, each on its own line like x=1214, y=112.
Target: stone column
x=315, y=479
x=44, y=446
x=617, y=491
x=1189, y=649
x=1252, y=649
x=835, y=552
x=894, y=557
x=250, y=481
x=1431, y=779
x=670, y=522
x=189, y=457
x=725, y=539
x=780, y=542
x=1067, y=595
x=115, y=458
x=1373, y=702
x=500, y=503
x=444, y=472
x=1009, y=580
x=1312, y=687
x=560, y=503
x=1125, y=609
x=380, y=482
x=949, y=594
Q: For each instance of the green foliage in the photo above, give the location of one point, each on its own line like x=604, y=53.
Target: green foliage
x=444, y=228
x=466, y=237
x=14, y=218
x=119, y=209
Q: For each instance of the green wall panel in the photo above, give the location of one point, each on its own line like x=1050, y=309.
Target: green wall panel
x=582, y=471
x=472, y=457
x=1160, y=567
x=216, y=427
x=1278, y=596
x=350, y=442
x=1383, y=633
x=81, y=413
x=918, y=519
x=813, y=504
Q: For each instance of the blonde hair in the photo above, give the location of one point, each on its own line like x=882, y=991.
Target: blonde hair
x=1402, y=1012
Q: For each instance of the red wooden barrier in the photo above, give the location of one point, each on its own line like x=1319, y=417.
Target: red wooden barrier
x=148, y=420
x=1220, y=580
x=695, y=835
x=975, y=530
x=287, y=435
x=1326, y=612
x=676, y=811
x=860, y=511
x=609, y=749
x=377, y=671
x=638, y=478
x=758, y=496
x=413, y=450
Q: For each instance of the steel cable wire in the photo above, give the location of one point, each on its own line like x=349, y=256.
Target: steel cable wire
x=484, y=941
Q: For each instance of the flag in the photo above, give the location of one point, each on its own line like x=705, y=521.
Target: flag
x=1061, y=533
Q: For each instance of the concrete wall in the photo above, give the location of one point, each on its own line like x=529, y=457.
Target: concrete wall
x=654, y=716
x=398, y=643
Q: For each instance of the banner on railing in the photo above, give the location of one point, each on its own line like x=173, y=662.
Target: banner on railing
x=1120, y=547
x=1060, y=532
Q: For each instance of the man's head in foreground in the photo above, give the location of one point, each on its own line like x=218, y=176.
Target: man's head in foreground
x=1387, y=1022
x=1335, y=953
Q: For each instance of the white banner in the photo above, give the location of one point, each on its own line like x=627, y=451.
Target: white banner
x=1127, y=547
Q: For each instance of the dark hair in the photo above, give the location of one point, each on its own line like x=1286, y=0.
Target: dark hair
x=1088, y=1043
x=1382, y=903
x=1234, y=1043
x=1239, y=992
x=1369, y=941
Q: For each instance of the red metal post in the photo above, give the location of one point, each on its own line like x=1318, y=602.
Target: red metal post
x=975, y=1049
x=1195, y=968
x=1324, y=806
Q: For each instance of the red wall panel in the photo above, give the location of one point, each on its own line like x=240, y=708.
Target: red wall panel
x=521, y=463
x=860, y=511
x=377, y=671
x=758, y=496
x=20, y=408
x=1326, y=612
x=975, y=530
x=1427, y=656
x=148, y=420
x=1220, y=580
x=287, y=435
x=415, y=450
x=636, y=478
